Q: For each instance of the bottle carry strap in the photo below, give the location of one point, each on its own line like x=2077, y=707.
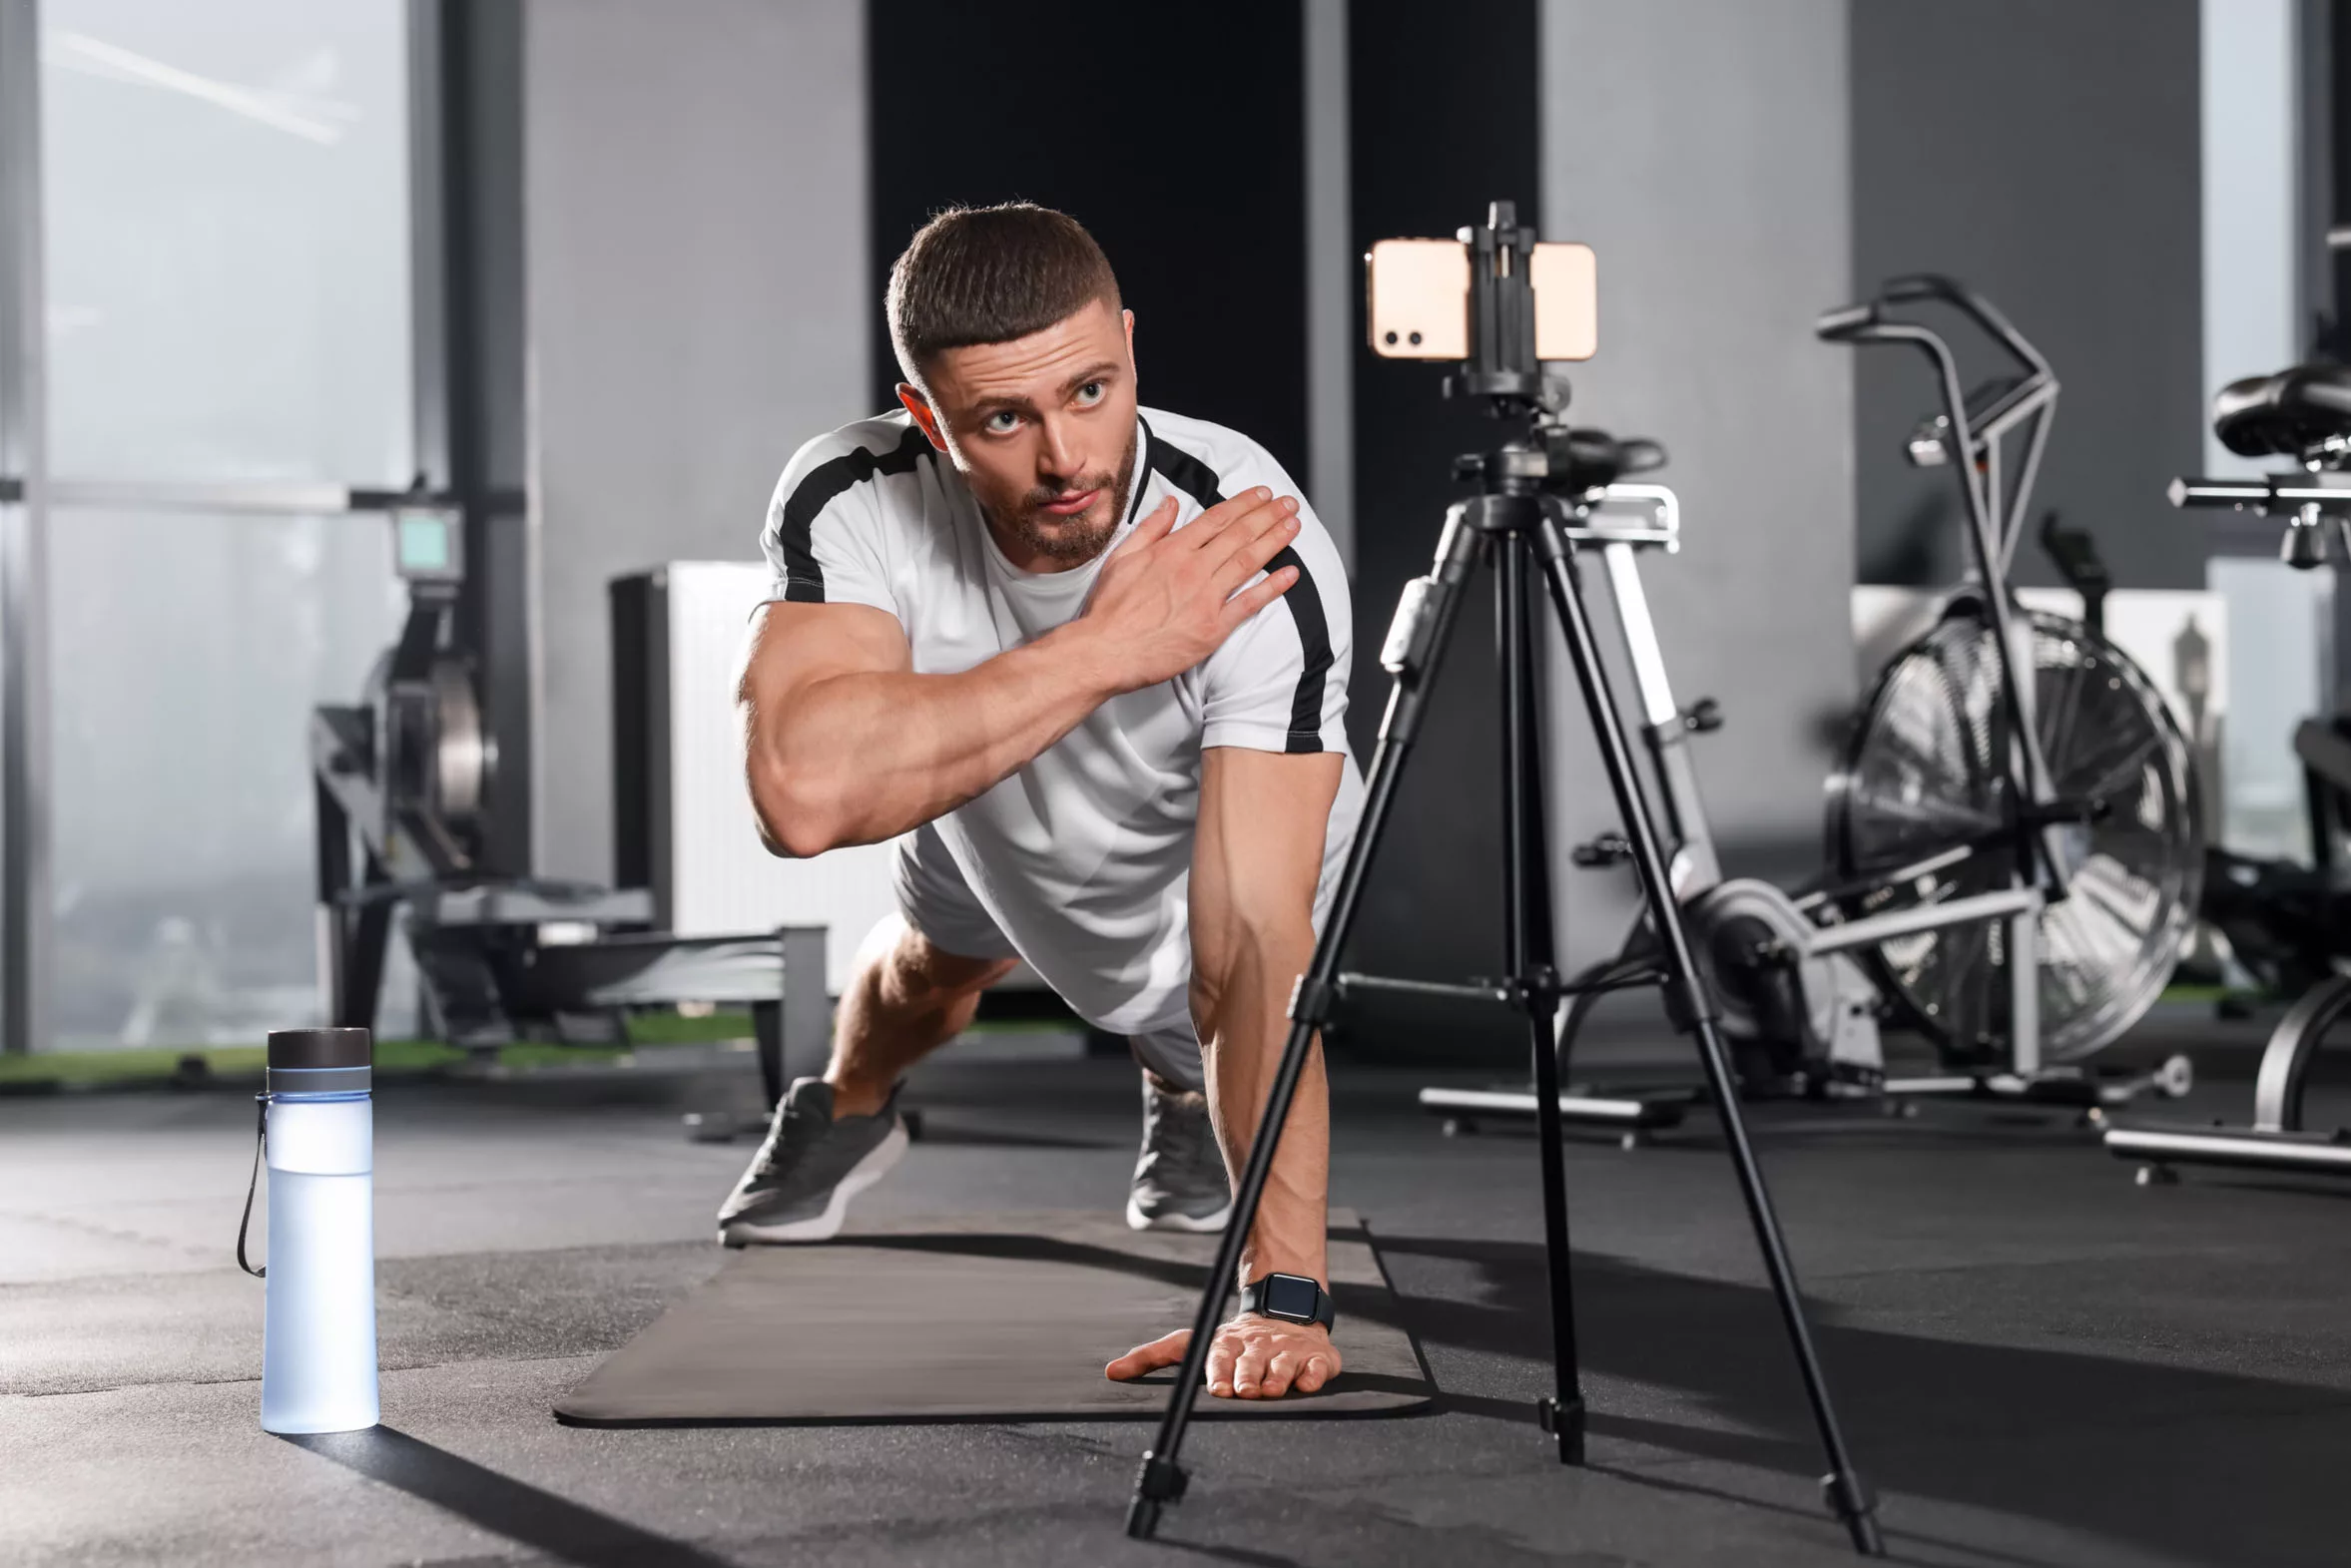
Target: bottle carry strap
x=261, y=1141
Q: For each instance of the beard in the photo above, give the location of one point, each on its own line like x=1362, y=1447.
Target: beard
x=1070, y=541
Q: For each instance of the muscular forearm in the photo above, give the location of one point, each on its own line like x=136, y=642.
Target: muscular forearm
x=1241, y=1007
x=859, y=757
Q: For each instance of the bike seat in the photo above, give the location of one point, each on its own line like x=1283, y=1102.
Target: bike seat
x=2290, y=412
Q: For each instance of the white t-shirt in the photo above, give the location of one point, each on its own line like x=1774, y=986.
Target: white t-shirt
x=1082, y=857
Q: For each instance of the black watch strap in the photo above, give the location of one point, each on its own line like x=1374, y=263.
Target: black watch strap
x=1289, y=1298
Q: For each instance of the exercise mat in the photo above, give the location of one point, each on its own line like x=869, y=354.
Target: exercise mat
x=967, y=1318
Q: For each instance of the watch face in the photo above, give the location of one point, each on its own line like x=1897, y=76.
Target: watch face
x=1290, y=1296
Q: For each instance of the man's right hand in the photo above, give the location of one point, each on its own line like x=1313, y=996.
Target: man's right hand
x=1167, y=599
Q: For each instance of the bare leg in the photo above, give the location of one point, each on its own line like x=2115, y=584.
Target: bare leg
x=907, y=999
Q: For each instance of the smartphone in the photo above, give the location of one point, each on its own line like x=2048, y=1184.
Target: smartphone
x=1420, y=299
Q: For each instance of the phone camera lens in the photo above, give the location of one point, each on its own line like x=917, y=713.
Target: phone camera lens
x=1416, y=338
x=1391, y=337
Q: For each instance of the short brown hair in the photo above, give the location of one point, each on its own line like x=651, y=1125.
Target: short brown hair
x=990, y=275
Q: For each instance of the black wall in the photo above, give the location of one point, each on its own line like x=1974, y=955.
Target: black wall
x=1174, y=135
x=2048, y=155
x=1191, y=173
x=1444, y=118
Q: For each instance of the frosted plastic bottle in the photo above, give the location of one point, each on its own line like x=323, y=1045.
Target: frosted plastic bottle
x=319, y=1323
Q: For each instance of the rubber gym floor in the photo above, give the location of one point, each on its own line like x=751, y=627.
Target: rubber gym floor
x=2039, y=1361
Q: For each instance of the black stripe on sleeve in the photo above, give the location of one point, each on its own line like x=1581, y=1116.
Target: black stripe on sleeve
x=1314, y=641
x=804, y=578
x=1181, y=469
x=1196, y=479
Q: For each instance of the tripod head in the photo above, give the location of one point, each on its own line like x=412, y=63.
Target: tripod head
x=1501, y=368
x=1522, y=300
x=1557, y=459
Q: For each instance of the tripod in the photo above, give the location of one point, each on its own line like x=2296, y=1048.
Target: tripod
x=1531, y=490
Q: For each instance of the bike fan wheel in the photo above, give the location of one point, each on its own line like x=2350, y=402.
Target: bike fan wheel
x=1925, y=774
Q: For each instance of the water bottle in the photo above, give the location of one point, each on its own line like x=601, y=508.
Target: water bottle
x=318, y=1315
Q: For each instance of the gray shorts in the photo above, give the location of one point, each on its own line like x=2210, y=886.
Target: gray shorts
x=936, y=901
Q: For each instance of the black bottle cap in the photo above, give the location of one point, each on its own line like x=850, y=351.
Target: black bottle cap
x=313, y=1048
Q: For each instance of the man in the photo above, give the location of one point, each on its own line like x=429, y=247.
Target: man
x=1089, y=661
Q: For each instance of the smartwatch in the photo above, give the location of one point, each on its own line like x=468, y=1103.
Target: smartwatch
x=1290, y=1298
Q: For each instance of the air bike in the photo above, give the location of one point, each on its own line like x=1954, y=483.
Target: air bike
x=2014, y=839
x=2296, y=915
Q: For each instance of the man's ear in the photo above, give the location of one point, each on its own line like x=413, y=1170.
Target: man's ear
x=923, y=414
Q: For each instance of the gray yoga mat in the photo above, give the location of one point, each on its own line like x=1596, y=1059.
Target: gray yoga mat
x=994, y=1316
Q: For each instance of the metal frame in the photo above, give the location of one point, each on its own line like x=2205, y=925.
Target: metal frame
x=1994, y=514
x=2278, y=1140
x=24, y=504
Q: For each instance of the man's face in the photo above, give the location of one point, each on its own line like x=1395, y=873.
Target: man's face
x=1043, y=430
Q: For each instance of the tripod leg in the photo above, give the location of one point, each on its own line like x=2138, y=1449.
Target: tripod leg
x=1847, y=1492
x=1527, y=933
x=1414, y=661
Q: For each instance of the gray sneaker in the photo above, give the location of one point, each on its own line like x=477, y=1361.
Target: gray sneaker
x=810, y=1167
x=1180, y=1180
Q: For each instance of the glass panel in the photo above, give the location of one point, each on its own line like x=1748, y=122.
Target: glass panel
x=2277, y=650
x=188, y=650
x=227, y=205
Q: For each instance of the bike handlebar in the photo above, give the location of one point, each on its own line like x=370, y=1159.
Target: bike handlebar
x=2258, y=493
x=1852, y=323
x=1912, y=287
x=2303, y=545
x=1845, y=323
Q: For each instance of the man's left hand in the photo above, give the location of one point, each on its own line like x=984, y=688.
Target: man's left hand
x=1251, y=1358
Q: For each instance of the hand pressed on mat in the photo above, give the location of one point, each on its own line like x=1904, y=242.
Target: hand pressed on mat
x=1251, y=1358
